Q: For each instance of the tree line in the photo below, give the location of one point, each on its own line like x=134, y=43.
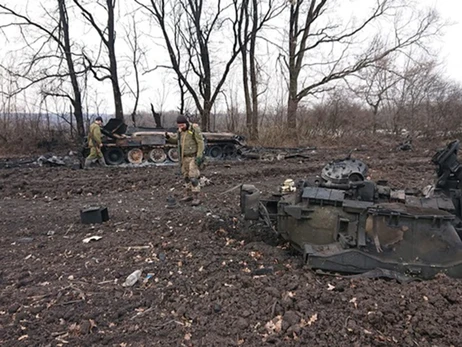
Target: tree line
x=310, y=50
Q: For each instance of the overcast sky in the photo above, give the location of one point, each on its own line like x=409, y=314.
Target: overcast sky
x=451, y=48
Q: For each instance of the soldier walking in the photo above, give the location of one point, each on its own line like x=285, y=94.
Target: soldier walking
x=95, y=144
x=190, y=149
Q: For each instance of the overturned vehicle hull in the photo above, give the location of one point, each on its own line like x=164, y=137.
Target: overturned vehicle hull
x=342, y=222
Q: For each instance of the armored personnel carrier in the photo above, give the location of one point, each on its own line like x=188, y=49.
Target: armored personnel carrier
x=121, y=144
x=342, y=222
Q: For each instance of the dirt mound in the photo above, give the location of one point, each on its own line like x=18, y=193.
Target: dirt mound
x=207, y=280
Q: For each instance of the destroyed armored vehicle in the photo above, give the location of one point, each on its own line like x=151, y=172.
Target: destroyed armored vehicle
x=121, y=145
x=342, y=222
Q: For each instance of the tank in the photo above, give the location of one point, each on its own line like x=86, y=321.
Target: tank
x=122, y=144
x=342, y=222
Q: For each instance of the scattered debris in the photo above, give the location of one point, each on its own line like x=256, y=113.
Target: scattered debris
x=94, y=214
x=171, y=202
x=276, y=153
x=405, y=146
x=148, y=277
x=204, y=181
x=92, y=238
x=132, y=278
x=53, y=161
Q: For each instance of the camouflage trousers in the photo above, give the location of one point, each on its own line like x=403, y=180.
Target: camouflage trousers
x=191, y=174
x=95, y=153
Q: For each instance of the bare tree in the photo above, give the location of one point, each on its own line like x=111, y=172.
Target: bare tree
x=447, y=108
x=444, y=107
x=310, y=31
x=132, y=38
x=195, y=22
x=38, y=69
x=232, y=110
x=415, y=97
x=107, y=35
x=254, y=19
x=375, y=81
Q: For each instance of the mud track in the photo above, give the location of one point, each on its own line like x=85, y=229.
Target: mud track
x=213, y=283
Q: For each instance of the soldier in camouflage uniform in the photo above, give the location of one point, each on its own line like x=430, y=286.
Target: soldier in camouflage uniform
x=95, y=144
x=191, y=149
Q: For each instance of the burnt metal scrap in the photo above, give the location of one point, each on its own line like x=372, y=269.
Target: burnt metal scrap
x=342, y=222
x=122, y=144
x=275, y=153
x=59, y=161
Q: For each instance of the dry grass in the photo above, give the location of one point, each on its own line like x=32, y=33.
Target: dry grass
x=31, y=135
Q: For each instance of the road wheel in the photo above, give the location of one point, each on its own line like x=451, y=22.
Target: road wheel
x=172, y=154
x=229, y=151
x=215, y=152
x=157, y=155
x=135, y=156
x=114, y=156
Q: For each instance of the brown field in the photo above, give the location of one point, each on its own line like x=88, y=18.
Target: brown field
x=56, y=290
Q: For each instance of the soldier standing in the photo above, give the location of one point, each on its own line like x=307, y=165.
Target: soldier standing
x=95, y=144
x=190, y=149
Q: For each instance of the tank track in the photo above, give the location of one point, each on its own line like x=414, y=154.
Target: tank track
x=162, y=154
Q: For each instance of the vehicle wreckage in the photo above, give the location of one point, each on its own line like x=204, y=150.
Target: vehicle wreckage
x=343, y=222
x=122, y=144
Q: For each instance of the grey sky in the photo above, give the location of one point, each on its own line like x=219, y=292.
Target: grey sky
x=451, y=48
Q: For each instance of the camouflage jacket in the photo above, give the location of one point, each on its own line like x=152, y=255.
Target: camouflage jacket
x=94, y=135
x=190, y=142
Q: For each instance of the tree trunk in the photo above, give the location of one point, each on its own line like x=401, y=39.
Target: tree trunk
x=119, y=113
x=292, y=107
x=253, y=72
x=245, y=69
x=79, y=121
x=77, y=100
x=245, y=85
x=375, y=111
x=205, y=116
x=182, y=95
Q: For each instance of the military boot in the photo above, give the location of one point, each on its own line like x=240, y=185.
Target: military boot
x=102, y=162
x=88, y=163
x=196, y=201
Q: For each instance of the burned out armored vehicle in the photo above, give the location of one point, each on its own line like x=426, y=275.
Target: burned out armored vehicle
x=121, y=144
x=342, y=222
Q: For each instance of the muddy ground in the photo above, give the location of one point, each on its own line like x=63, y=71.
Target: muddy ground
x=206, y=288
